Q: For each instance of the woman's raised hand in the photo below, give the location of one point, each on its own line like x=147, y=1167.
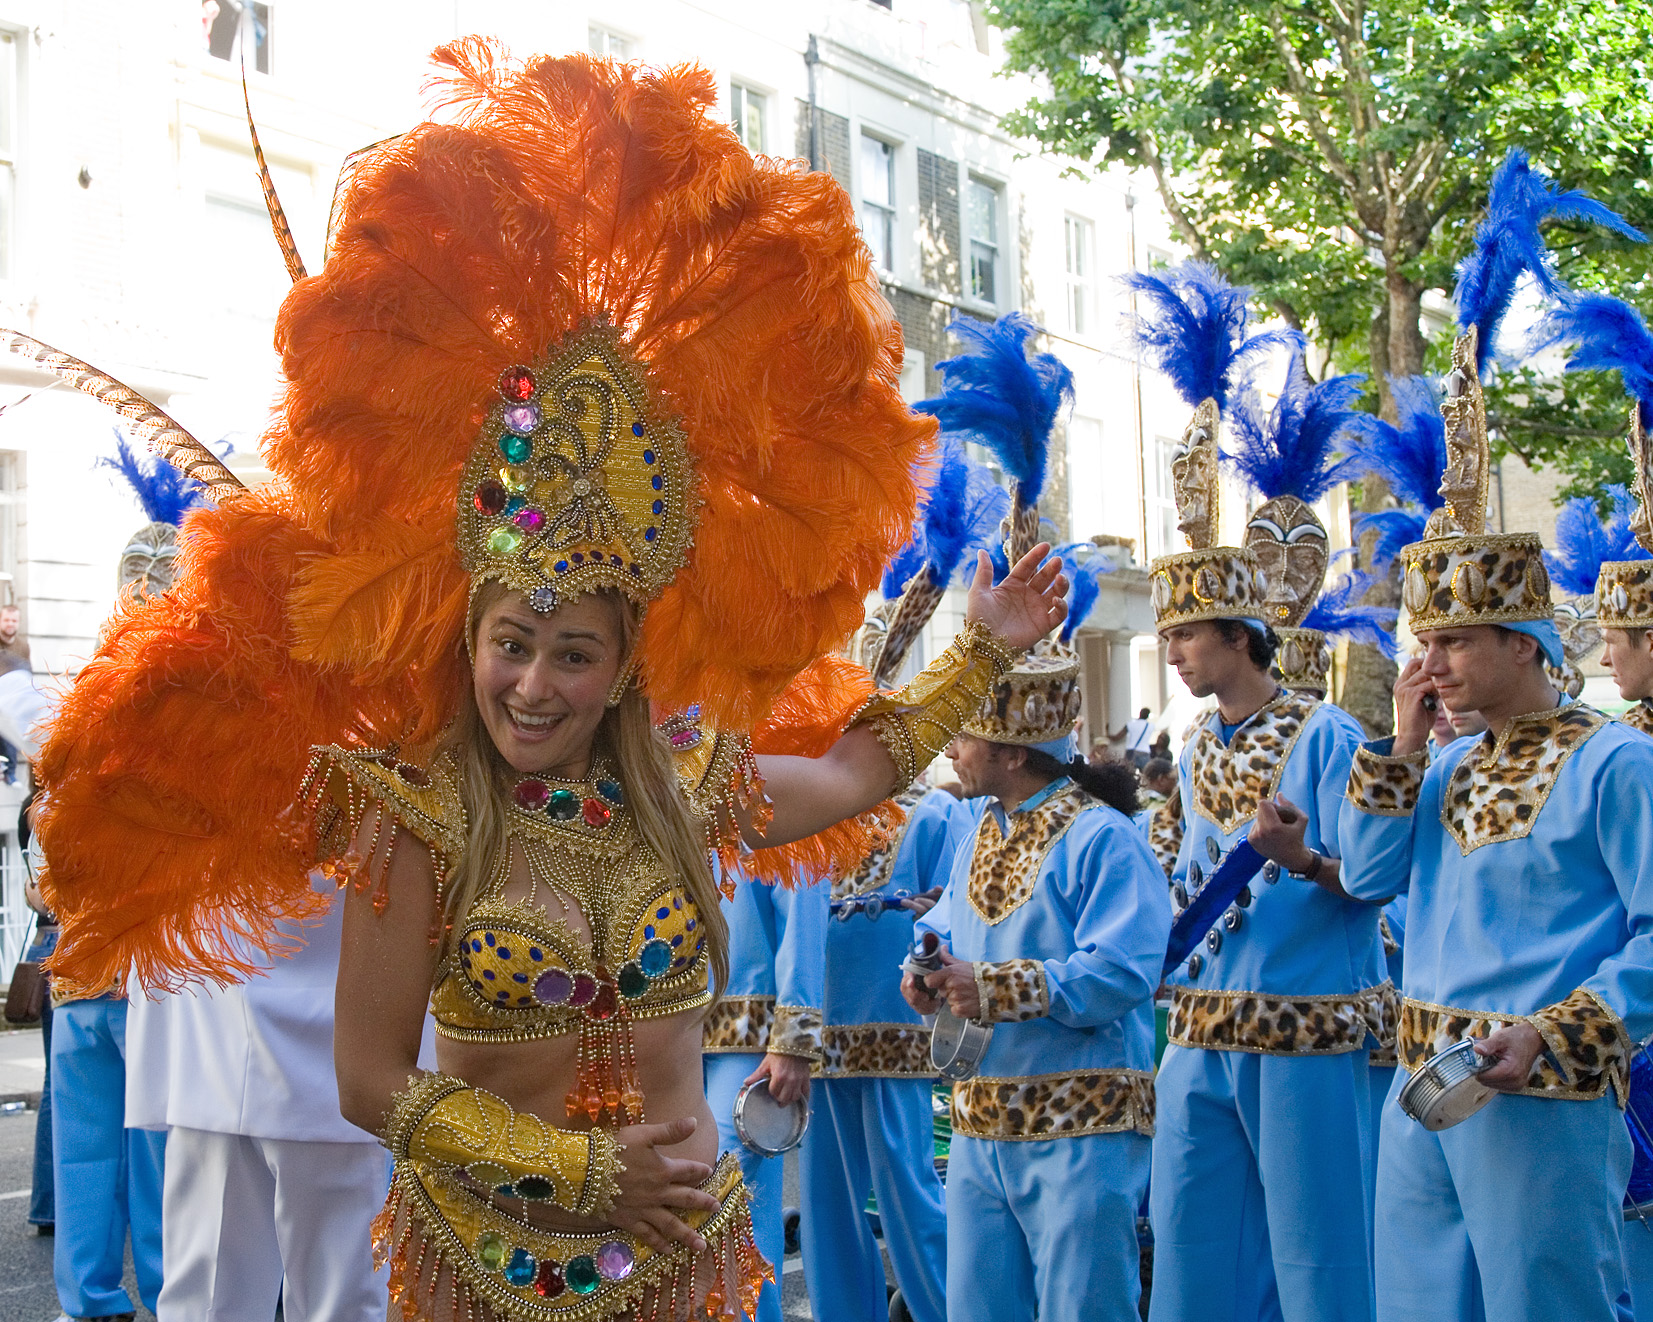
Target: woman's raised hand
x=1026, y=605
x=651, y=1184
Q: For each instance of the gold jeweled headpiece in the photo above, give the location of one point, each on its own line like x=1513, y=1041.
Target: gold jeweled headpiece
x=1624, y=588
x=580, y=481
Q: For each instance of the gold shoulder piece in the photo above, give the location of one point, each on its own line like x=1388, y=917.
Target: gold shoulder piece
x=341, y=784
x=715, y=770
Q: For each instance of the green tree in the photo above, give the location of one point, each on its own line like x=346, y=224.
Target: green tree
x=1335, y=154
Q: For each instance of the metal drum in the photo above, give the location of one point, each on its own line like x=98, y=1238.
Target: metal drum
x=1444, y=1091
x=957, y=1045
x=764, y=1125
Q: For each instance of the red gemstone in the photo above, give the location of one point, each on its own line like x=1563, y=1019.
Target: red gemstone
x=596, y=813
x=517, y=384
x=531, y=795
x=412, y=775
x=548, y=1281
x=490, y=498
x=605, y=1002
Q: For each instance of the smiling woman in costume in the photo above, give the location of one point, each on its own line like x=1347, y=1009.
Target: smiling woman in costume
x=589, y=453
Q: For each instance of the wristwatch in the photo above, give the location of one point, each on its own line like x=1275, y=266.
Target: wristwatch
x=1311, y=872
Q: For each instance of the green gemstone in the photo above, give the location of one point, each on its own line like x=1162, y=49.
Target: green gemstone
x=633, y=981
x=563, y=806
x=536, y=1188
x=491, y=1251
x=581, y=1274
x=503, y=541
x=516, y=449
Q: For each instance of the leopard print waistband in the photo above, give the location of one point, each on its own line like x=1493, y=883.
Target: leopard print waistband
x=738, y=1024
x=1044, y=1106
x=1282, y=1025
x=876, y=1051
x=1586, y=1051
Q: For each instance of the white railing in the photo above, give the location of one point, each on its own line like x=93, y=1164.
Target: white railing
x=16, y=918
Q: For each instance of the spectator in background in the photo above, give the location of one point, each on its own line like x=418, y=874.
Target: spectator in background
x=1162, y=747
x=42, y=1204
x=1139, y=737
x=11, y=632
x=20, y=701
x=1159, y=778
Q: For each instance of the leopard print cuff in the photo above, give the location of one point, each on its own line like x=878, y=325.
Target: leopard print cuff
x=1012, y=991
x=1045, y=1106
x=1588, y=1041
x=1282, y=1025
x=1386, y=786
x=739, y=1024
x=796, y=1032
x=876, y=1051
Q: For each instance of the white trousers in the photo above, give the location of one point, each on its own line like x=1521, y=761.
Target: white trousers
x=248, y=1220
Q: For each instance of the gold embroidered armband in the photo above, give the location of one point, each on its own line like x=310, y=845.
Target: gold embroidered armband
x=440, y=1121
x=917, y=721
x=1588, y=1041
x=1386, y=786
x=796, y=1032
x=1012, y=991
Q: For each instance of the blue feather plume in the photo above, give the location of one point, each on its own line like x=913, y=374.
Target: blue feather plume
x=1084, y=566
x=1337, y=611
x=995, y=394
x=1392, y=529
x=165, y=493
x=1584, y=542
x=1410, y=458
x=1508, y=244
x=1608, y=335
x=1290, y=452
x=962, y=512
x=906, y=562
x=1194, y=330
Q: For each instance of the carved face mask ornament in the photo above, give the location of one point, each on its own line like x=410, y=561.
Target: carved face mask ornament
x=1290, y=544
x=149, y=559
x=1194, y=478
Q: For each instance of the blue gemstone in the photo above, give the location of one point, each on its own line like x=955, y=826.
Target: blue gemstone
x=478, y=986
x=616, y=559
x=475, y=944
x=505, y=952
x=677, y=901
x=488, y=974
x=521, y=1268
x=610, y=790
x=488, y=937
x=659, y=507
x=677, y=940
x=648, y=455
x=656, y=958
x=561, y=566
x=535, y=954
x=649, y=930
x=637, y=430
x=648, y=534
x=502, y=996
x=513, y=505
x=579, y=558
x=659, y=484
x=663, y=913
x=519, y=977
x=689, y=924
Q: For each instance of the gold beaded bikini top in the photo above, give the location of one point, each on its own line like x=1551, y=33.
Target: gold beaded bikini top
x=521, y=968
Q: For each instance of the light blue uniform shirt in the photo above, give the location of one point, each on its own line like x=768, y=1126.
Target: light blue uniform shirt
x=1098, y=919
x=776, y=942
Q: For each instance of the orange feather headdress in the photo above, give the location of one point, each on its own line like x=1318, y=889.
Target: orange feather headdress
x=564, y=198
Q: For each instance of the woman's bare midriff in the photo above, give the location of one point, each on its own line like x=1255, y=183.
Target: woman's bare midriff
x=535, y=1077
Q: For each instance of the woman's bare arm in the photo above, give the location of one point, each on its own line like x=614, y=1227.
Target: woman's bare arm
x=386, y=967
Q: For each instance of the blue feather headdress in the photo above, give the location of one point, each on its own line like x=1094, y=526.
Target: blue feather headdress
x=165, y=493
x=960, y=514
x=1194, y=330
x=1608, y=335
x=1084, y=565
x=1584, y=541
x=1508, y=244
x=1409, y=458
x=996, y=394
x=1337, y=612
x=1290, y=452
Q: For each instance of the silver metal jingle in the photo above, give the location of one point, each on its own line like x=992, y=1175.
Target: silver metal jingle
x=1213, y=850
x=1213, y=940
x=1271, y=872
x=1243, y=899
x=1233, y=920
x=1196, y=875
x=1179, y=895
x=1195, y=965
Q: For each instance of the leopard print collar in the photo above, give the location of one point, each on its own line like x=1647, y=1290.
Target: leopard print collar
x=875, y=869
x=1004, y=871
x=1640, y=717
x=1228, y=782
x=1500, y=786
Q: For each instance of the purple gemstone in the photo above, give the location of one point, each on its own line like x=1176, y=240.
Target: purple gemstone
x=522, y=418
x=529, y=519
x=615, y=1260
x=585, y=987
x=553, y=987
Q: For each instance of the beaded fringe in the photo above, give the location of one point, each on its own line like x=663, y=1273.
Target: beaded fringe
x=435, y=1280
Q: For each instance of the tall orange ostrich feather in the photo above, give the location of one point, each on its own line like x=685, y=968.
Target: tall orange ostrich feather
x=558, y=193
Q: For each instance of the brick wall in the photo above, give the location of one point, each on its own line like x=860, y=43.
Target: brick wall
x=833, y=140
x=938, y=222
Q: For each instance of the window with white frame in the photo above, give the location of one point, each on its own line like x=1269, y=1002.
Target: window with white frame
x=982, y=217
x=749, y=110
x=878, y=200
x=1162, y=503
x=1158, y=258
x=238, y=31
x=606, y=42
x=1079, y=240
x=8, y=151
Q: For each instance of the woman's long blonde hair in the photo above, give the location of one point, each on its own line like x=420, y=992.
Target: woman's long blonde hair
x=664, y=820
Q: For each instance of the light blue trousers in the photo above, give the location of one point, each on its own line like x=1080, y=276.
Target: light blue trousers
x=724, y=1075
x=878, y=1135
x=1638, y=1266
x=1262, y=1191
x=1513, y=1215
x=1047, y=1226
x=108, y=1177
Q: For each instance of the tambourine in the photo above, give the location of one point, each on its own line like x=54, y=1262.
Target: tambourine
x=764, y=1125
x=957, y=1045
x=1445, y=1090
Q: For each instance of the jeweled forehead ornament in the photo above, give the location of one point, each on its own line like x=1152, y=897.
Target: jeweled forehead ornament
x=580, y=480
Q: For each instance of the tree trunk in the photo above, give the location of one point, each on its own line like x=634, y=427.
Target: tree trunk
x=1396, y=350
